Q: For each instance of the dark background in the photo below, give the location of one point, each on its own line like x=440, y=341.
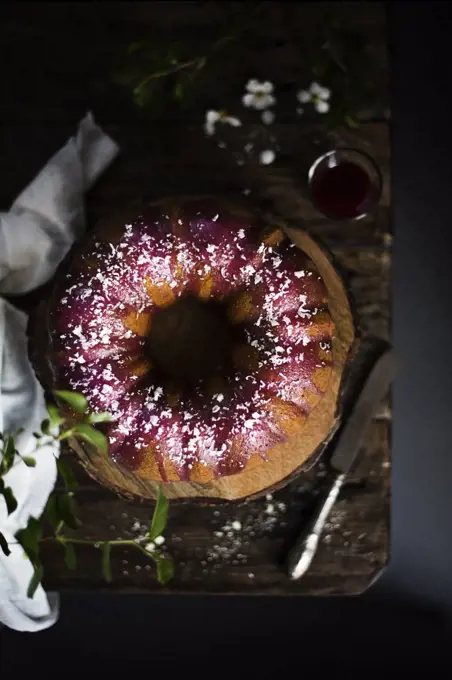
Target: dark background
x=403, y=622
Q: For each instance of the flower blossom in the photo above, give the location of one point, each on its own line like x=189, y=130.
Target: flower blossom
x=268, y=117
x=258, y=95
x=266, y=157
x=317, y=95
x=214, y=117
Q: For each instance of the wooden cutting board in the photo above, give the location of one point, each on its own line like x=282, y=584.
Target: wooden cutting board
x=235, y=548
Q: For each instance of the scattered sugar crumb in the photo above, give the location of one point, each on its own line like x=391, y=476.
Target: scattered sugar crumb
x=233, y=540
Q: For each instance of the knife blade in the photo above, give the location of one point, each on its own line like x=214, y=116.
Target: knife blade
x=352, y=434
x=348, y=446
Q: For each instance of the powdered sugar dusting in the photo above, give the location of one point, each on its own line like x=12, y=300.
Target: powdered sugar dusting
x=102, y=317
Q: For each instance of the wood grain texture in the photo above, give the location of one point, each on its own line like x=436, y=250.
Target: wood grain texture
x=172, y=156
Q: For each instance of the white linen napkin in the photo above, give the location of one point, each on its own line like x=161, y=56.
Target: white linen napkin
x=35, y=235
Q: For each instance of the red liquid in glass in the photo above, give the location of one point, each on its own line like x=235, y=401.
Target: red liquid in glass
x=342, y=190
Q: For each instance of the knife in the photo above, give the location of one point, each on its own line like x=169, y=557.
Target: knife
x=348, y=445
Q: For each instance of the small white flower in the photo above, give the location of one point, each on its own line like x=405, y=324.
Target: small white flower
x=214, y=117
x=320, y=91
x=322, y=106
x=149, y=547
x=160, y=540
x=266, y=157
x=258, y=95
x=317, y=95
x=268, y=117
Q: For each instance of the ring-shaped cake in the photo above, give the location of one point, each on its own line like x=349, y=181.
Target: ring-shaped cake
x=202, y=260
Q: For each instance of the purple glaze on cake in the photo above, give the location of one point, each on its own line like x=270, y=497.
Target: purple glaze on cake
x=275, y=297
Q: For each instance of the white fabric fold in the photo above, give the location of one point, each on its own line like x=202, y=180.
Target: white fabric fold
x=35, y=235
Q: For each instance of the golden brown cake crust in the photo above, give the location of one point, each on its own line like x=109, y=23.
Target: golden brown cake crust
x=287, y=408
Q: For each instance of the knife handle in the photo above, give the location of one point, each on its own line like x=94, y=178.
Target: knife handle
x=303, y=552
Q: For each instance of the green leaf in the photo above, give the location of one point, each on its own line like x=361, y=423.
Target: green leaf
x=165, y=570
x=51, y=510
x=103, y=417
x=65, y=434
x=178, y=91
x=35, y=580
x=67, y=475
x=4, y=545
x=29, y=462
x=9, y=453
x=66, y=511
x=29, y=538
x=10, y=499
x=45, y=426
x=93, y=436
x=75, y=400
x=160, y=515
x=142, y=94
x=69, y=556
x=54, y=414
x=106, y=562
x=135, y=47
x=351, y=122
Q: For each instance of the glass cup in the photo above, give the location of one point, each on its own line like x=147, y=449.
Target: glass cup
x=345, y=184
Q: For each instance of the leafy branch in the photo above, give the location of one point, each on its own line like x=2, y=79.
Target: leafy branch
x=60, y=512
x=146, y=69
x=330, y=53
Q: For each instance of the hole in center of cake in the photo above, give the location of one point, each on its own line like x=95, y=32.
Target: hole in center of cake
x=191, y=340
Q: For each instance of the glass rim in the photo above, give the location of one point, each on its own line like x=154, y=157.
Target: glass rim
x=373, y=200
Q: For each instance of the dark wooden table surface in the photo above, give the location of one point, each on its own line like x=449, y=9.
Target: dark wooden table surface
x=46, y=89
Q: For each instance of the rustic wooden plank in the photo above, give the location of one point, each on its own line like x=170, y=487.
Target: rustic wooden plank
x=351, y=546
x=133, y=175
x=368, y=273
x=188, y=168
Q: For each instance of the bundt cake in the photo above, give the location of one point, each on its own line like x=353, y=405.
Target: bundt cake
x=205, y=334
